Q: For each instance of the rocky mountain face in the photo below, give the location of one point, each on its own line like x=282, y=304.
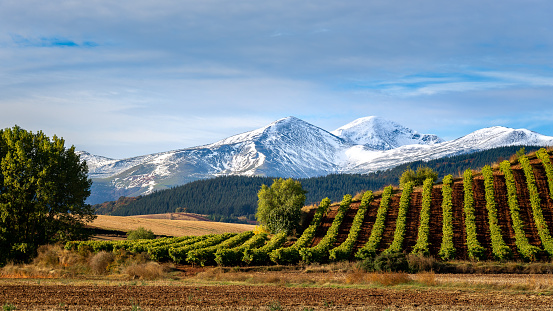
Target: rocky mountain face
x=291, y=147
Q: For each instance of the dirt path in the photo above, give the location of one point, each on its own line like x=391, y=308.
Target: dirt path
x=237, y=297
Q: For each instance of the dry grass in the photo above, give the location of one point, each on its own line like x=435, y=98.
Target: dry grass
x=145, y=271
x=168, y=227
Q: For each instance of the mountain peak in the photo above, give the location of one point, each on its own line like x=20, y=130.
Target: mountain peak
x=381, y=134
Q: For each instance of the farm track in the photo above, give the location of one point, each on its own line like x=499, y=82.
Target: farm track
x=436, y=221
x=346, y=224
x=481, y=215
x=412, y=222
x=504, y=214
x=366, y=227
x=326, y=222
x=459, y=229
x=526, y=214
x=390, y=223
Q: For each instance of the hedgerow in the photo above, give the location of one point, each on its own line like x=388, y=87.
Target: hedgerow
x=535, y=202
x=161, y=252
x=206, y=255
x=474, y=248
x=500, y=250
x=524, y=247
x=291, y=255
x=343, y=252
x=447, y=249
x=233, y=256
x=320, y=252
x=546, y=162
x=179, y=254
x=260, y=256
x=399, y=234
x=369, y=249
x=422, y=245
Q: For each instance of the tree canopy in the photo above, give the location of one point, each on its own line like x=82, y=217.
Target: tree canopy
x=43, y=187
x=418, y=177
x=279, y=206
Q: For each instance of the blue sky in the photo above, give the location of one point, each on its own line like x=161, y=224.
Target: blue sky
x=127, y=78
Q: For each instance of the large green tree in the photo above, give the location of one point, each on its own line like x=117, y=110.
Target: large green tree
x=43, y=187
x=279, y=206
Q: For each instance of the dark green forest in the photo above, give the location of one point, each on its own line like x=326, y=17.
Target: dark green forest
x=230, y=197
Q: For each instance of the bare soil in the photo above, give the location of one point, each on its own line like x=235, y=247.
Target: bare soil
x=464, y=294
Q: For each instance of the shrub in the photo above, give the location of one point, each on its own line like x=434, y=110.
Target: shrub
x=500, y=250
x=421, y=247
x=386, y=262
x=399, y=233
x=524, y=247
x=320, y=252
x=140, y=233
x=343, y=252
x=543, y=155
x=418, y=177
x=535, y=202
x=233, y=256
x=369, y=249
x=149, y=271
x=447, y=249
x=291, y=255
x=100, y=261
x=260, y=256
x=474, y=249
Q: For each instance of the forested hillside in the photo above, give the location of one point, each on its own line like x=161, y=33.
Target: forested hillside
x=227, y=198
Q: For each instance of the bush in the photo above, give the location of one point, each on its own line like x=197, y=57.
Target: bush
x=386, y=262
x=418, y=177
x=369, y=249
x=100, y=262
x=140, y=233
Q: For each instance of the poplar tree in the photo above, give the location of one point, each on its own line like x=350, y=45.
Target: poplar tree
x=43, y=187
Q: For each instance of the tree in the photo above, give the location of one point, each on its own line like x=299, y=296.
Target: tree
x=418, y=177
x=279, y=206
x=43, y=187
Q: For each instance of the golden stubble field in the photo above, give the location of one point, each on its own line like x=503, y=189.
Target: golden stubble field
x=167, y=227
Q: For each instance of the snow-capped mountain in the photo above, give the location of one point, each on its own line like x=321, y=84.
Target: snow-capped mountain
x=291, y=147
x=381, y=134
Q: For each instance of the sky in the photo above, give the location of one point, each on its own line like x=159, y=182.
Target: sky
x=129, y=78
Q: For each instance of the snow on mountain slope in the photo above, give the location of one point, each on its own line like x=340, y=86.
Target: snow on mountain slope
x=365, y=160
x=291, y=147
x=381, y=134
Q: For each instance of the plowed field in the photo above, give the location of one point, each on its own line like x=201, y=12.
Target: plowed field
x=237, y=297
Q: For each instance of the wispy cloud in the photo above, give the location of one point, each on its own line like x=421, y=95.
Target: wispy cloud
x=53, y=41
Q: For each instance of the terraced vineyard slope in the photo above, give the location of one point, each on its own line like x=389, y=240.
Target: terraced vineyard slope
x=504, y=212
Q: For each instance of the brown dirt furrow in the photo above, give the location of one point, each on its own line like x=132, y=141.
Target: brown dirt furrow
x=345, y=226
x=504, y=214
x=326, y=222
x=543, y=189
x=243, y=297
x=413, y=221
x=368, y=222
x=459, y=229
x=436, y=221
x=481, y=215
x=390, y=223
x=526, y=215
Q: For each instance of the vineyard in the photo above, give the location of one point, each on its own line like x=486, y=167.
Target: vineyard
x=500, y=213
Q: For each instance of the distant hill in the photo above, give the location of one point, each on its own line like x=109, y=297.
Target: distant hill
x=229, y=198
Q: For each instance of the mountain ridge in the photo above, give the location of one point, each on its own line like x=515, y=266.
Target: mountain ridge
x=291, y=147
